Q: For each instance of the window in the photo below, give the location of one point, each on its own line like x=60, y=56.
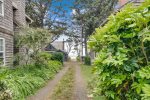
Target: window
x=2, y=51
x=1, y=8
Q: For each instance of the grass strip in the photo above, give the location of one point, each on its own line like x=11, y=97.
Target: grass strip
x=87, y=72
x=88, y=76
x=89, y=79
x=64, y=89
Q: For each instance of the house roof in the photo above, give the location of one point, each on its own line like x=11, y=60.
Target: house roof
x=14, y=6
x=28, y=19
x=50, y=47
x=118, y=9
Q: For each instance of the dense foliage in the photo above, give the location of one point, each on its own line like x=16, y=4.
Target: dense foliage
x=33, y=38
x=32, y=41
x=87, y=60
x=122, y=66
x=58, y=56
x=16, y=84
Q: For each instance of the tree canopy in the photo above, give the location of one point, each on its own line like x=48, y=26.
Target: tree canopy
x=90, y=14
x=46, y=14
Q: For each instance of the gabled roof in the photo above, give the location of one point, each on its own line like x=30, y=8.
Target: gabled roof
x=50, y=47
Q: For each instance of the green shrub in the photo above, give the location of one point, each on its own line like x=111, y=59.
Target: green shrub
x=87, y=60
x=78, y=58
x=58, y=56
x=42, y=58
x=23, y=81
x=34, y=39
x=122, y=66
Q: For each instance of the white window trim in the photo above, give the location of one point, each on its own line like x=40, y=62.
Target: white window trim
x=2, y=8
x=4, y=51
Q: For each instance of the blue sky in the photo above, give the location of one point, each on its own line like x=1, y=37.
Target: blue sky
x=66, y=4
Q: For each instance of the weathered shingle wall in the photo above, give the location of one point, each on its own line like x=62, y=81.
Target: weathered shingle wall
x=7, y=28
x=6, y=31
x=20, y=17
x=6, y=21
x=8, y=48
x=20, y=12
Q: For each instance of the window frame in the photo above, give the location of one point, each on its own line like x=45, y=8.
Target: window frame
x=4, y=51
x=2, y=14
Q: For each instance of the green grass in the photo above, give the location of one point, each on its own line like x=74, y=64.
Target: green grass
x=88, y=76
x=64, y=89
x=87, y=72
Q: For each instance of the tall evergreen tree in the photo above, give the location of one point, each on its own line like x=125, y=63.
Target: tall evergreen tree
x=90, y=14
x=47, y=14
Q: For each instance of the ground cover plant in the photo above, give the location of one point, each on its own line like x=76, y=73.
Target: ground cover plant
x=18, y=83
x=122, y=66
x=64, y=89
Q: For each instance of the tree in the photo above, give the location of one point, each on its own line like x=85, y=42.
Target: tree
x=46, y=14
x=90, y=14
x=33, y=40
x=69, y=45
x=72, y=43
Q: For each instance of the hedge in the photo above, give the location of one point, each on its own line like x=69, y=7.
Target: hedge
x=122, y=66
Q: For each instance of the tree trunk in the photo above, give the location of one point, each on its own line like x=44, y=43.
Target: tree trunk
x=85, y=43
x=82, y=39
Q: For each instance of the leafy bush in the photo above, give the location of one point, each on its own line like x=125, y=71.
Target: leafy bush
x=18, y=83
x=41, y=58
x=32, y=40
x=58, y=56
x=87, y=60
x=122, y=66
x=78, y=58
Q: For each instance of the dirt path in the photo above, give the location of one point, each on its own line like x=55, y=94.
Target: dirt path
x=79, y=92
x=46, y=91
x=80, y=85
